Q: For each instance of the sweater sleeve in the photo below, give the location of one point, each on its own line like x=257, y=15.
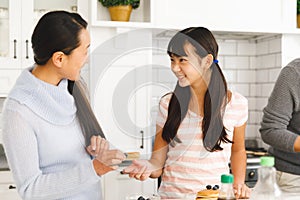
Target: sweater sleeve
x=21, y=149
x=278, y=112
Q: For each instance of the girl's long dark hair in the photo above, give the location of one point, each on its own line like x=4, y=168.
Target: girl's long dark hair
x=59, y=31
x=215, y=97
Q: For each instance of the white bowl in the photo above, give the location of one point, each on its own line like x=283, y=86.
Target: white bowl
x=145, y=196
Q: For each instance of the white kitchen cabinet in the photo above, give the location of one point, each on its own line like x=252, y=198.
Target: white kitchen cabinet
x=120, y=86
x=7, y=187
x=117, y=186
x=119, y=113
x=10, y=33
x=230, y=15
x=120, y=76
x=17, y=20
x=266, y=16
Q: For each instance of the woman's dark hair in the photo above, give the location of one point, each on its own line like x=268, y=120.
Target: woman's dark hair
x=215, y=97
x=56, y=31
x=59, y=31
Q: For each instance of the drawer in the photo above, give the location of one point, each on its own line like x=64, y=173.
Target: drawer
x=8, y=194
x=6, y=177
x=8, y=187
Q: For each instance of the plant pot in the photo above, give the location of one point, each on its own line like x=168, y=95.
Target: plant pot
x=298, y=21
x=120, y=13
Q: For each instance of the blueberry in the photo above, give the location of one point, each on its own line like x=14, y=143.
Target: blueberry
x=216, y=187
x=208, y=187
x=141, y=198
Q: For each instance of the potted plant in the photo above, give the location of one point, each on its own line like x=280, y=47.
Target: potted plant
x=298, y=13
x=120, y=10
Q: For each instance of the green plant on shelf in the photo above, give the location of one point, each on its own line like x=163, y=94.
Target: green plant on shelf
x=110, y=3
x=298, y=7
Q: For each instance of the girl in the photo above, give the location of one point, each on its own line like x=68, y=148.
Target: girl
x=47, y=121
x=200, y=126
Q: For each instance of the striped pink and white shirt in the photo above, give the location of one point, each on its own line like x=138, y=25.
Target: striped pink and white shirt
x=189, y=167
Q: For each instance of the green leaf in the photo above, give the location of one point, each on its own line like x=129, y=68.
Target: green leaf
x=109, y=3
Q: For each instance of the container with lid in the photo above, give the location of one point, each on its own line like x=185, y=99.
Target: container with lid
x=266, y=187
x=226, y=190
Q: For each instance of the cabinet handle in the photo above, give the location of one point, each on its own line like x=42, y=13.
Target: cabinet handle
x=142, y=146
x=15, y=49
x=122, y=173
x=26, y=49
x=11, y=187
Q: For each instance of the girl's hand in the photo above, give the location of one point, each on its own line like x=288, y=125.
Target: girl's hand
x=241, y=191
x=139, y=169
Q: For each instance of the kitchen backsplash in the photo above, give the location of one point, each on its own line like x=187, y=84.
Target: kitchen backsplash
x=251, y=67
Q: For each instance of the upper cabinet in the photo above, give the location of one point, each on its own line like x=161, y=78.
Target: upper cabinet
x=10, y=22
x=32, y=11
x=229, y=15
x=10, y=34
x=17, y=21
x=277, y=16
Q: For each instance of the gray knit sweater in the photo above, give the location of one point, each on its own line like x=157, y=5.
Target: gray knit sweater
x=281, y=120
x=44, y=143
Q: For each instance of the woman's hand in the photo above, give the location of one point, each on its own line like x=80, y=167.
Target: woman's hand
x=241, y=191
x=139, y=169
x=107, y=159
x=94, y=147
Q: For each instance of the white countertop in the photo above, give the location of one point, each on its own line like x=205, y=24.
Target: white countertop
x=291, y=196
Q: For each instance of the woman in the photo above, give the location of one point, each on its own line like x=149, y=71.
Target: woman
x=200, y=126
x=48, y=122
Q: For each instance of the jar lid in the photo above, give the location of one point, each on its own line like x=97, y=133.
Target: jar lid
x=267, y=161
x=227, y=178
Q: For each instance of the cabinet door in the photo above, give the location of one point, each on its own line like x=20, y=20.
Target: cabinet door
x=231, y=15
x=7, y=187
x=117, y=186
x=8, y=194
x=17, y=21
x=10, y=31
x=32, y=11
x=120, y=75
x=122, y=109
